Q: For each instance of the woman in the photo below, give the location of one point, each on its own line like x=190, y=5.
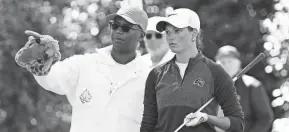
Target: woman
x=181, y=86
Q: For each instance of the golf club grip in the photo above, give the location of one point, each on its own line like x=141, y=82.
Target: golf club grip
x=238, y=75
x=199, y=110
x=249, y=66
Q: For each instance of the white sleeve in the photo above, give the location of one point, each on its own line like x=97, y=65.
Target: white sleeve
x=63, y=76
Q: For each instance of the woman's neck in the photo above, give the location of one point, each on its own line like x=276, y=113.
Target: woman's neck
x=185, y=56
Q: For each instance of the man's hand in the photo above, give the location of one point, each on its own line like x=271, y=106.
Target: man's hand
x=194, y=119
x=39, y=53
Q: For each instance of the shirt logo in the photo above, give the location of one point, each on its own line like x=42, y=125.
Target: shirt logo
x=199, y=82
x=85, y=97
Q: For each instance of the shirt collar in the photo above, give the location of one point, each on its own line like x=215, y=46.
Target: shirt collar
x=198, y=57
x=106, y=51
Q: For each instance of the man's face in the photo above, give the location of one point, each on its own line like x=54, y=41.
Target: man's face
x=124, y=35
x=155, y=42
x=231, y=64
x=178, y=38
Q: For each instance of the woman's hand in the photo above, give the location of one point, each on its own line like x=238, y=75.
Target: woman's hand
x=194, y=119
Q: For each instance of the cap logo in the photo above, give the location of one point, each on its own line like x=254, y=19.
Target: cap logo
x=172, y=14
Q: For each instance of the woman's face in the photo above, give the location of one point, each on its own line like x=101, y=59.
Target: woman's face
x=179, y=39
x=231, y=64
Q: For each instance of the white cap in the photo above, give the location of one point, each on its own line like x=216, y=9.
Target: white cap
x=152, y=23
x=181, y=18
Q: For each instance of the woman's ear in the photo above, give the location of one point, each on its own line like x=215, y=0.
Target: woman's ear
x=194, y=34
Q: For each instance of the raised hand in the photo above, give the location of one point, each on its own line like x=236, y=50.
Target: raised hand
x=39, y=53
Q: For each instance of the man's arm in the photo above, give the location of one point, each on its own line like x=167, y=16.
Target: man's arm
x=261, y=109
x=225, y=94
x=150, y=114
x=63, y=76
x=41, y=56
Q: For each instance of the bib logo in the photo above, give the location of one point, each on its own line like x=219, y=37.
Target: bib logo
x=199, y=82
x=85, y=97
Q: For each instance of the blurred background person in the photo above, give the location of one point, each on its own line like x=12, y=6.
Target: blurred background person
x=156, y=44
x=251, y=93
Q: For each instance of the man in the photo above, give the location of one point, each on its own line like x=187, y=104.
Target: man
x=156, y=43
x=252, y=95
x=105, y=88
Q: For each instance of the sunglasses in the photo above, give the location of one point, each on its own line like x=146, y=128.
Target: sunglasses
x=157, y=35
x=124, y=28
